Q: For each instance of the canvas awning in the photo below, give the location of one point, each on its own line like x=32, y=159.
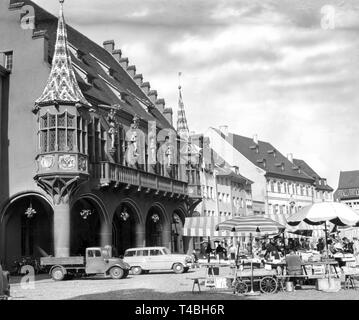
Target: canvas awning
x=206, y=227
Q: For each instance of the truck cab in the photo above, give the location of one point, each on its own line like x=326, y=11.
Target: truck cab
x=100, y=260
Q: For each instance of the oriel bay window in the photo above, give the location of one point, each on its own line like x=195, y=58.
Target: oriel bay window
x=62, y=132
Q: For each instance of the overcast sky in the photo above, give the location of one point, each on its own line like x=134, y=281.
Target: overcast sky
x=287, y=70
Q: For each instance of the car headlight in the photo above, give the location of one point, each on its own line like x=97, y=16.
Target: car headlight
x=188, y=260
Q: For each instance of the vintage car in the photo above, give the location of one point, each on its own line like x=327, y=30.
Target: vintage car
x=156, y=258
x=4, y=284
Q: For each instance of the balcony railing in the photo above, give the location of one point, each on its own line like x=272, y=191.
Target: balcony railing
x=106, y=173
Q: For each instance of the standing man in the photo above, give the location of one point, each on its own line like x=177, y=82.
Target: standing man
x=356, y=250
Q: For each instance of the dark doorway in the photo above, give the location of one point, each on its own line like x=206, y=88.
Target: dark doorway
x=154, y=228
x=85, y=226
x=124, y=229
x=28, y=227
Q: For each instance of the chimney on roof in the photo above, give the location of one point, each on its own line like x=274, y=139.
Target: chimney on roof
x=168, y=114
x=290, y=157
x=224, y=130
x=160, y=105
x=124, y=63
x=138, y=79
x=146, y=87
x=255, y=139
x=153, y=96
x=109, y=45
x=117, y=54
x=131, y=71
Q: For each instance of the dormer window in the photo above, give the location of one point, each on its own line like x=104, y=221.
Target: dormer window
x=273, y=152
x=77, y=53
x=103, y=65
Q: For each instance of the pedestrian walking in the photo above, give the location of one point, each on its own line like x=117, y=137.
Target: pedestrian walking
x=356, y=250
x=208, y=252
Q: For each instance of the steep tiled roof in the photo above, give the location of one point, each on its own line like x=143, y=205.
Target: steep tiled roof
x=223, y=168
x=349, y=179
x=100, y=92
x=309, y=171
x=275, y=163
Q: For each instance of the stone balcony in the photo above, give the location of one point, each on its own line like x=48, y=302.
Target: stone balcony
x=105, y=174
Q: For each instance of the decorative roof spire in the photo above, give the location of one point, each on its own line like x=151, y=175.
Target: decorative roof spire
x=182, y=126
x=62, y=86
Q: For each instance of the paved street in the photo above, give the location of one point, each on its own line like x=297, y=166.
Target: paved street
x=154, y=286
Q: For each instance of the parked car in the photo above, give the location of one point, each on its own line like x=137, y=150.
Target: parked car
x=96, y=261
x=4, y=284
x=156, y=258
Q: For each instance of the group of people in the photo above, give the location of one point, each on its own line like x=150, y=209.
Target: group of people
x=277, y=247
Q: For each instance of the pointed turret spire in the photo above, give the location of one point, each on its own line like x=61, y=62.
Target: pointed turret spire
x=182, y=126
x=62, y=86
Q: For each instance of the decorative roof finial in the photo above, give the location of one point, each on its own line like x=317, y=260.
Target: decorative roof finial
x=62, y=86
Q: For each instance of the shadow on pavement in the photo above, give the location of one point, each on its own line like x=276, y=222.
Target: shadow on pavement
x=149, y=294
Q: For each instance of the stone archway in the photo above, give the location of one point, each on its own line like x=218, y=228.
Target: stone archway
x=126, y=228
x=156, y=228
x=87, y=221
x=27, y=228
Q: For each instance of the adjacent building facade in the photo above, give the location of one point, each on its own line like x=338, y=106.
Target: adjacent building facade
x=348, y=189
x=89, y=155
x=281, y=186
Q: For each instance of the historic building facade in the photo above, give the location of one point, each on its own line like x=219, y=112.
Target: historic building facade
x=281, y=186
x=348, y=189
x=225, y=192
x=91, y=156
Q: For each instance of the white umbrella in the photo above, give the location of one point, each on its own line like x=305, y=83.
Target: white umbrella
x=318, y=213
x=324, y=212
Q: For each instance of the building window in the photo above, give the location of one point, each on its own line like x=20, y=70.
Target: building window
x=271, y=183
x=8, y=60
x=62, y=133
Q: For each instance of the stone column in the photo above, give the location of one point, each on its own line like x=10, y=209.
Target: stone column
x=166, y=236
x=140, y=235
x=106, y=234
x=62, y=229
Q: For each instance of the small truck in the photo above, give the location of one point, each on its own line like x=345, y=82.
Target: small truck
x=97, y=260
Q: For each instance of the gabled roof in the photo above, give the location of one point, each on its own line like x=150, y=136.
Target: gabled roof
x=264, y=152
x=100, y=91
x=348, y=179
x=319, y=182
x=223, y=168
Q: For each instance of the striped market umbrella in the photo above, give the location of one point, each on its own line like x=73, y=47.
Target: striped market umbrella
x=251, y=224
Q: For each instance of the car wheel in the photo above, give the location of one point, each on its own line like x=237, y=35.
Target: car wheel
x=57, y=274
x=117, y=273
x=178, y=268
x=136, y=270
